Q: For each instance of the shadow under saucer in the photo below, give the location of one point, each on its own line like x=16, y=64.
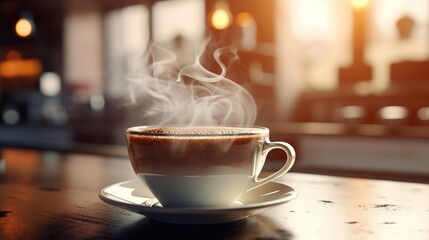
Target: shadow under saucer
x=255, y=227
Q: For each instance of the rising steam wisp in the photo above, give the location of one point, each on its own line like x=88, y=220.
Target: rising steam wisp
x=194, y=96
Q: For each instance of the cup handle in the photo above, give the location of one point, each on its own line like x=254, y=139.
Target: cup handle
x=290, y=160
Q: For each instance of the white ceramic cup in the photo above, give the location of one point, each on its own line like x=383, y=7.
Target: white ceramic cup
x=202, y=166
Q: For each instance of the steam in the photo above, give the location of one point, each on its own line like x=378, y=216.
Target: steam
x=194, y=95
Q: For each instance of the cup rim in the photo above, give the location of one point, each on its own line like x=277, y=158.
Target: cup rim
x=251, y=130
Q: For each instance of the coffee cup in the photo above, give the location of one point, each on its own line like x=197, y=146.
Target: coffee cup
x=202, y=166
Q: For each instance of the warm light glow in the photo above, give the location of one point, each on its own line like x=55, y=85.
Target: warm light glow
x=248, y=31
x=221, y=17
x=23, y=27
x=244, y=19
x=423, y=113
x=359, y=3
x=312, y=20
x=393, y=112
x=20, y=68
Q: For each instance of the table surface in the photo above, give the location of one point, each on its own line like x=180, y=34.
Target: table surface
x=48, y=195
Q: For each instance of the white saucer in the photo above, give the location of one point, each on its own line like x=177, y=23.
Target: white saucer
x=134, y=196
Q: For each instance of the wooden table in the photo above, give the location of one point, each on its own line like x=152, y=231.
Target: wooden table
x=47, y=195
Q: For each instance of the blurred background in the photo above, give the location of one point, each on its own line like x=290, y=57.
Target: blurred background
x=346, y=82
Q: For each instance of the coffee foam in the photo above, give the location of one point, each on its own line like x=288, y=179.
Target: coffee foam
x=197, y=131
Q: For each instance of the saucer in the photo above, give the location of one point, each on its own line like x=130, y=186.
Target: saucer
x=136, y=197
